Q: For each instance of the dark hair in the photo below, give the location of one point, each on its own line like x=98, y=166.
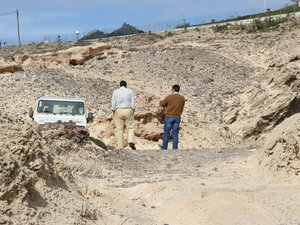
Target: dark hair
x=176, y=88
x=123, y=83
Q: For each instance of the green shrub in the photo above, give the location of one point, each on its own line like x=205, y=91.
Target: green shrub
x=262, y=24
x=266, y=24
x=243, y=27
x=220, y=28
x=98, y=143
x=169, y=34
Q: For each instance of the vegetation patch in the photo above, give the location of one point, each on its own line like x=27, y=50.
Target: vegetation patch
x=266, y=24
x=169, y=34
x=286, y=10
x=99, y=143
x=262, y=24
x=221, y=28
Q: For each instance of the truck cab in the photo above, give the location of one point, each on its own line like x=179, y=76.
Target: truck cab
x=54, y=109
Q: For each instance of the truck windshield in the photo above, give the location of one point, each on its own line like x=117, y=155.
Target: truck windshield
x=60, y=107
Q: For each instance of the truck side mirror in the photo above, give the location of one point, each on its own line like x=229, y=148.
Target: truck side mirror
x=90, y=117
x=30, y=113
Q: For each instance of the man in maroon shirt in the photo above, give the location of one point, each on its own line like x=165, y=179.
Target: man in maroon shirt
x=174, y=104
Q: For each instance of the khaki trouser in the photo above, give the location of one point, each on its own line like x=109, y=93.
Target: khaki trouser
x=122, y=118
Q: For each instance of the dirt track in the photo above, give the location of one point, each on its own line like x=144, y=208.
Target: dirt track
x=146, y=166
x=205, y=186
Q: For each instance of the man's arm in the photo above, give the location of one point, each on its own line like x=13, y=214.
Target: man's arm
x=132, y=101
x=164, y=103
x=113, y=102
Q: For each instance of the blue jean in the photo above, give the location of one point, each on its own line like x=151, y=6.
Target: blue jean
x=171, y=123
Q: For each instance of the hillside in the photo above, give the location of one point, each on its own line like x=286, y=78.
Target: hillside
x=238, y=161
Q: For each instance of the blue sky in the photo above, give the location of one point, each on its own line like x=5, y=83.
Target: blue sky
x=39, y=18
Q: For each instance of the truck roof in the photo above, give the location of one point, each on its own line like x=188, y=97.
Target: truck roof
x=62, y=99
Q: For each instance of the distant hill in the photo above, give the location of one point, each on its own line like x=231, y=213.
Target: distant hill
x=126, y=29
x=94, y=34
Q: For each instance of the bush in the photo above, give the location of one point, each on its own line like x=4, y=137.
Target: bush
x=183, y=25
x=168, y=34
x=266, y=24
x=262, y=24
x=243, y=27
x=221, y=28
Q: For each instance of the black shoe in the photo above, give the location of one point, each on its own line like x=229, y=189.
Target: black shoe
x=132, y=146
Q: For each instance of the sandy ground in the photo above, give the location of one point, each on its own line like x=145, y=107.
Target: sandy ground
x=241, y=89
x=233, y=194
x=209, y=186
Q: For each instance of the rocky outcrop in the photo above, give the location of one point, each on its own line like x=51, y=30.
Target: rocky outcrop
x=26, y=158
x=73, y=56
x=35, y=178
x=257, y=110
x=281, y=151
x=10, y=68
x=149, y=125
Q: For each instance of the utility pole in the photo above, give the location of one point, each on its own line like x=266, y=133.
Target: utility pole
x=18, y=25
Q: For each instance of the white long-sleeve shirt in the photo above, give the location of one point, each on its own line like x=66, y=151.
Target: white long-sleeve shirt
x=122, y=98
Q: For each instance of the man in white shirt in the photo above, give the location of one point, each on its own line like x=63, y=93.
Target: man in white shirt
x=123, y=106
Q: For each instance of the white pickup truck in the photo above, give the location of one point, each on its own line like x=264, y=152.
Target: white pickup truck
x=54, y=109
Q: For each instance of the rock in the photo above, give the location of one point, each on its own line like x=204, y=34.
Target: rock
x=231, y=117
x=101, y=57
x=262, y=109
x=294, y=57
x=149, y=125
x=20, y=58
x=208, y=80
x=81, y=54
x=72, y=56
x=281, y=151
x=11, y=68
x=133, y=49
